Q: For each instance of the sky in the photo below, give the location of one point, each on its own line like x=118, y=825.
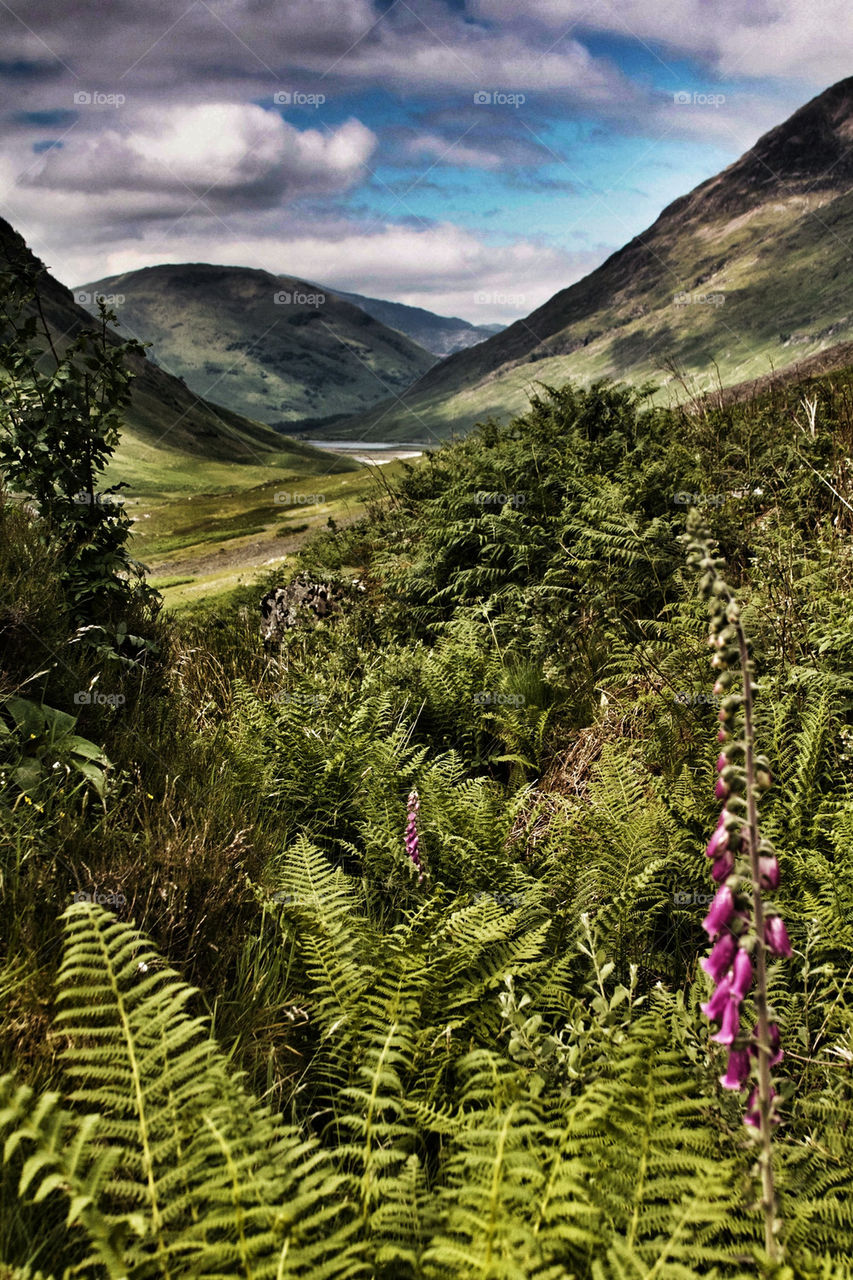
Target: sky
x=468, y=156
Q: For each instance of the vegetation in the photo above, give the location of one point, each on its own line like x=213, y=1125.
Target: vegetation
x=377, y=954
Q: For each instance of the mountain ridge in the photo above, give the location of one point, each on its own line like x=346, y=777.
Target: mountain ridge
x=276, y=348
x=629, y=317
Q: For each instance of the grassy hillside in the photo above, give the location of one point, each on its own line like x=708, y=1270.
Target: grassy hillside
x=376, y=956
x=749, y=272
x=271, y=347
x=200, y=546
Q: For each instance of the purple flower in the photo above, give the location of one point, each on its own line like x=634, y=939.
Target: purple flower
x=768, y=870
x=412, y=840
x=730, y=1023
x=737, y=1072
x=718, y=843
x=776, y=936
x=741, y=974
x=718, y=963
x=721, y=790
x=723, y=866
x=714, y=1008
x=720, y=913
x=722, y=761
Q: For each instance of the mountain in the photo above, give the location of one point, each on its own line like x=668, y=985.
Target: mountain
x=275, y=348
x=748, y=272
x=442, y=335
x=169, y=430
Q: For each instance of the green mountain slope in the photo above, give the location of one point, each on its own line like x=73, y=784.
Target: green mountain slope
x=750, y=271
x=274, y=348
x=174, y=439
x=442, y=335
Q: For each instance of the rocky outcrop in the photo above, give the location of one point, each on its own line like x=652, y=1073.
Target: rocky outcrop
x=303, y=603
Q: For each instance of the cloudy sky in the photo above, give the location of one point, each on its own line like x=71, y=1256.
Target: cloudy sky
x=469, y=156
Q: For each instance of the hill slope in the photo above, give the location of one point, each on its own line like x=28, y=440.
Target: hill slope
x=171, y=434
x=271, y=347
x=750, y=270
x=442, y=335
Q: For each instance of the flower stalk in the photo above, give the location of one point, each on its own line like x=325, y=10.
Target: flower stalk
x=413, y=844
x=742, y=926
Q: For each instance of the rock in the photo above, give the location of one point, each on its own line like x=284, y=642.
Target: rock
x=303, y=602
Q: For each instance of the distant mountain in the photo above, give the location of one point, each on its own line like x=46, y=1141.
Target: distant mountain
x=750, y=271
x=442, y=335
x=167, y=424
x=275, y=348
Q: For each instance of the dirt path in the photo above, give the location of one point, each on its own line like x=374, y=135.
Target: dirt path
x=248, y=555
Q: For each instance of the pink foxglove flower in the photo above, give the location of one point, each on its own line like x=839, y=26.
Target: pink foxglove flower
x=768, y=868
x=413, y=844
x=730, y=1021
x=741, y=973
x=714, y=1008
x=737, y=1072
x=720, y=913
x=745, y=867
x=723, y=866
x=718, y=963
x=776, y=936
x=718, y=843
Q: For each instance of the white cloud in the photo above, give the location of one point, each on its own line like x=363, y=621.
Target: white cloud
x=444, y=268
x=809, y=42
x=229, y=154
x=447, y=151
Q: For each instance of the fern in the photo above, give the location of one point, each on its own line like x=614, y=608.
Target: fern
x=188, y=1171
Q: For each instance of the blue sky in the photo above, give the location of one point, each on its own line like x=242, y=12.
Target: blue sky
x=461, y=155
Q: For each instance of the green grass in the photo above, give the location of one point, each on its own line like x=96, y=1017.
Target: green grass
x=201, y=545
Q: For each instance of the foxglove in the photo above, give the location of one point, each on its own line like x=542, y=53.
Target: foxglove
x=745, y=932
x=413, y=844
